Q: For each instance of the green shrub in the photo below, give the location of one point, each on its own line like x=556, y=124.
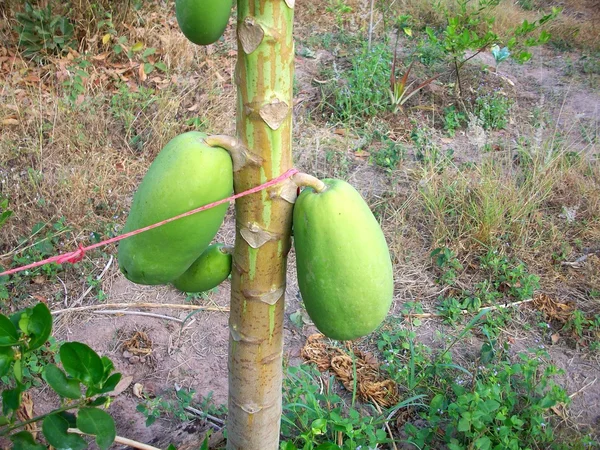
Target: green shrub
x=41, y=33
x=362, y=90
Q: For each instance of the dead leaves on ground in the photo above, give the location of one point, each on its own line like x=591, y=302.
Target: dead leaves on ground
x=371, y=385
x=553, y=309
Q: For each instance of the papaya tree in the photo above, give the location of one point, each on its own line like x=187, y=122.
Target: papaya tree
x=338, y=229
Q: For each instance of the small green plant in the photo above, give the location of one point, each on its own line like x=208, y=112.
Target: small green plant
x=22, y=335
x=5, y=213
x=74, y=85
x=453, y=120
x=490, y=402
x=315, y=420
x=170, y=404
x=362, y=90
x=128, y=107
x=390, y=155
x=509, y=277
x=493, y=111
x=447, y=263
x=42, y=34
x=339, y=8
x=499, y=54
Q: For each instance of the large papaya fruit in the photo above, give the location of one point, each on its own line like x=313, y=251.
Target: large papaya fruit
x=185, y=175
x=208, y=271
x=203, y=21
x=342, y=260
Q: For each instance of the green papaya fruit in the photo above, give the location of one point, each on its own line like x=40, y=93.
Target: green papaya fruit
x=342, y=260
x=208, y=271
x=203, y=21
x=185, y=175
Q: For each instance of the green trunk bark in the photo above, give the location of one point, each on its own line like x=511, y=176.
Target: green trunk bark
x=264, y=77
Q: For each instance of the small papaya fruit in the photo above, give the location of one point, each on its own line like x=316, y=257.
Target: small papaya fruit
x=208, y=271
x=342, y=261
x=203, y=21
x=186, y=174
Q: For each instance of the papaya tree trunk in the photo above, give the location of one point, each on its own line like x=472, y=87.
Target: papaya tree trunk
x=264, y=78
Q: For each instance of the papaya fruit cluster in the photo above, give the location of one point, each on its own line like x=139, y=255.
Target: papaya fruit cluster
x=185, y=175
x=342, y=259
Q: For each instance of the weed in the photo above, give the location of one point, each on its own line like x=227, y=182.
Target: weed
x=447, y=263
x=509, y=277
x=127, y=106
x=172, y=404
x=340, y=9
x=362, y=90
x=390, y=155
x=42, y=34
x=493, y=110
x=74, y=85
x=312, y=418
x=453, y=120
x=491, y=403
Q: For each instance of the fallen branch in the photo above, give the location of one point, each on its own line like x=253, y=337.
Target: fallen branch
x=126, y=312
x=204, y=415
x=140, y=305
x=464, y=311
x=120, y=440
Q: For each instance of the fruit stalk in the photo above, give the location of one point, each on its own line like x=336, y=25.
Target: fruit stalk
x=264, y=78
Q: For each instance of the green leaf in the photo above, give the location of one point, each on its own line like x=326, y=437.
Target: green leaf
x=148, y=68
x=65, y=387
x=40, y=326
x=82, y=363
x=55, y=429
x=6, y=358
x=5, y=216
x=110, y=384
x=98, y=401
x=11, y=400
x=8, y=332
x=328, y=446
x=108, y=367
x=161, y=66
x=24, y=441
x=98, y=423
x=483, y=443
x=148, y=52
x=464, y=425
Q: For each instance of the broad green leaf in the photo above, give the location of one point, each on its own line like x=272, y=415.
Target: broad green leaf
x=11, y=400
x=108, y=367
x=110, y=384
x=40, y=326
x=149, y=52
x=328, y=446
x=65, y=387
x=6, y=358
x=98, y=401
x=55, y=431
x=8, y=332
x=82, y=363
x=98, y=423
x=24, y=441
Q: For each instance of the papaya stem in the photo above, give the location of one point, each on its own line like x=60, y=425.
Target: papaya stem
x=305, y=180
x=227, y=249
x=240, y=155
